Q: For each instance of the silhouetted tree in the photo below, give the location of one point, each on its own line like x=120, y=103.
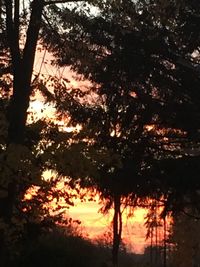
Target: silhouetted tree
x=21, y=144
x=143, y=57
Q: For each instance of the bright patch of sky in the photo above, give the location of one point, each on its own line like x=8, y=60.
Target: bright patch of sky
x=82, y=6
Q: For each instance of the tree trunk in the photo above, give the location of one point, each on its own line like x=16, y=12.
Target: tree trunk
x=151, y=248
x=117, y=229
x=22, y=63
x=156, y=235
x=165, y=243
x=23, y=69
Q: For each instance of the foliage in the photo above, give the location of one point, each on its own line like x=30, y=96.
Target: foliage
x=140, y=117
x=22, y=144
x=61, y=248
x=185, y=238
x=145, y=76
x=143, y=63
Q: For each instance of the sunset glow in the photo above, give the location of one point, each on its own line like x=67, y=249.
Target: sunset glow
x=93, y=223
x=99, y=133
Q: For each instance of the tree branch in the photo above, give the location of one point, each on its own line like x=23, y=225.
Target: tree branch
x=191, y=215
x=61, y=2
x=16, y=23
x=13, y=42
x=32, y=37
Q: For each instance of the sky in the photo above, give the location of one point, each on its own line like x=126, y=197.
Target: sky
x=93, y=223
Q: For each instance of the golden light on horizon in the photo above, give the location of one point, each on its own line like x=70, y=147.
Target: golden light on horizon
x=95, y=224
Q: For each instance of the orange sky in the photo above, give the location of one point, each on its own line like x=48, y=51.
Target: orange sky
x=92, y=222
x=95, y=223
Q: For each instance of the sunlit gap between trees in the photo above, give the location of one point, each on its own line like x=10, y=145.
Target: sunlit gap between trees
x=130, y=137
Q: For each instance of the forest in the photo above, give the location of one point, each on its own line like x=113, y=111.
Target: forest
x=134, y=137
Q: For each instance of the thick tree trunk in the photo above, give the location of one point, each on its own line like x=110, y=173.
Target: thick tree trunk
x=23, y=69
x=22, y=63
x=117, y=229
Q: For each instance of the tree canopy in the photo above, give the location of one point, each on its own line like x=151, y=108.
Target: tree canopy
x=143, y=60
x=139, y=118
